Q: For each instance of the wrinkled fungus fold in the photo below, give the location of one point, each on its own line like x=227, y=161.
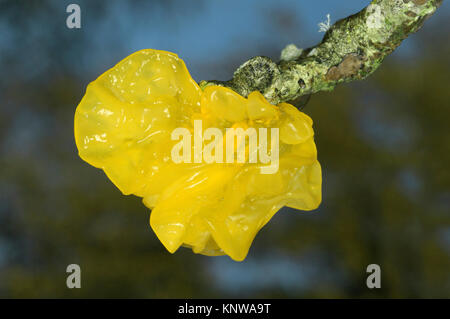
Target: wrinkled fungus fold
x=124, y=125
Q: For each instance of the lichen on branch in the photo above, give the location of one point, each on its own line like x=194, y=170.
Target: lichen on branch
x=352, y=49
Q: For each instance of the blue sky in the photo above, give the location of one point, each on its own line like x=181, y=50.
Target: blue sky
x=204, y=33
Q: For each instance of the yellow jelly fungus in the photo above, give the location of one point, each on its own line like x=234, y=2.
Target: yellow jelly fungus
x=124, y=125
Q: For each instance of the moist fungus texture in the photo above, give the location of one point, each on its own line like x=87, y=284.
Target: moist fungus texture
x=125, y=123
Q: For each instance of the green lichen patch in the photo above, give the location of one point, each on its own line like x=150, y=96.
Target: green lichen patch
x=352, y=49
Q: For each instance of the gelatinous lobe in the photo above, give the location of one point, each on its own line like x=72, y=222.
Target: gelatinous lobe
x=123, y=125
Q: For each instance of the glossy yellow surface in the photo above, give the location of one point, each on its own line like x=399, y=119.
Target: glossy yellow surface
x=123, y=125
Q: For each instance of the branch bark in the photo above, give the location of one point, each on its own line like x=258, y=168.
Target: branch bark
x=352, y=49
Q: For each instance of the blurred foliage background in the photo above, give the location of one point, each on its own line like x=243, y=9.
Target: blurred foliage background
x=384, y=145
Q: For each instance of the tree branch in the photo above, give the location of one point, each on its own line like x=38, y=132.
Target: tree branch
x=352, y=49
